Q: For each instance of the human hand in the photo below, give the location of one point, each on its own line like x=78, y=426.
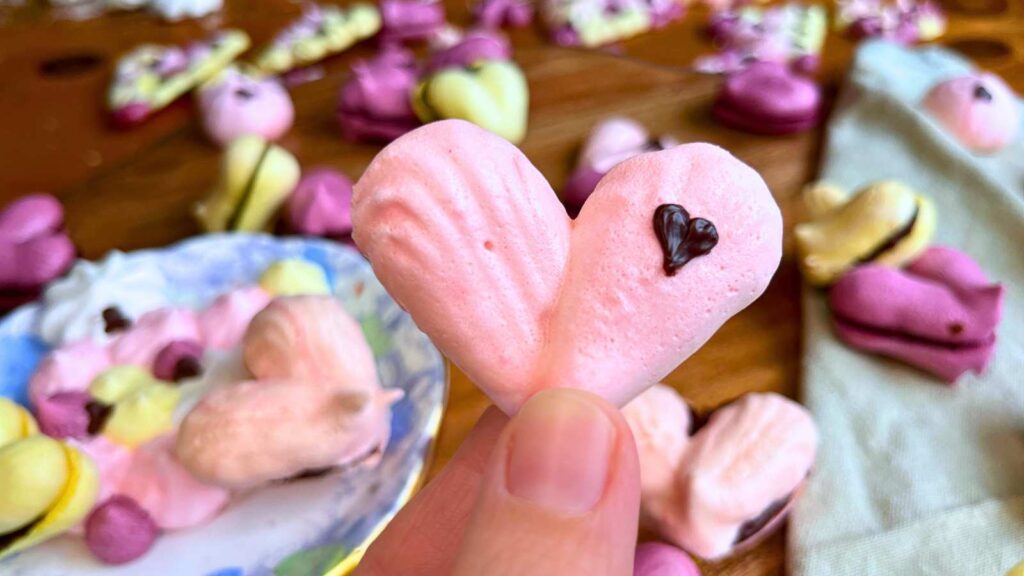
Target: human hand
x=553, y=491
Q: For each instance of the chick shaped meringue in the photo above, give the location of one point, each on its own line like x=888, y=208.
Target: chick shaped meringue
x=373, y=104
x=236, y=103
x=321, y=205
x=978, y=109
x=137, y=406
x=314, y=381
x=885, y=222
x=256, y=179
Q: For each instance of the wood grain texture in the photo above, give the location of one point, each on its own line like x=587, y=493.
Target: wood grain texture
x=135, y=189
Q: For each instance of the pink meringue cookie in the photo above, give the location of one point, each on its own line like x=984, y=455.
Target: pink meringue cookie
x=237, y=104
x=410, y=20
x=657, y=559
x=373, y=104
x=178, y=360
x=979, y=110
x=111, y=459
x=119, y=531
x=321, y=204
x=661, y=421
x=154, y=330
x=472, y=47
x=31, y=216
x=499, y=13
x=34, y=248
x=174, y=498
x=223, y=324
x=939, y=314
x=70, y=368
x=63, y=415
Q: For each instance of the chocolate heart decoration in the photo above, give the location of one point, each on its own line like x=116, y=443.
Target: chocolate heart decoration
x=682, y=238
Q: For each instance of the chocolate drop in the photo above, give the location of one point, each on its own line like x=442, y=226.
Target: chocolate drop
x=99, y=413
x=114, y=320
x=682, y=238
x=981, y=93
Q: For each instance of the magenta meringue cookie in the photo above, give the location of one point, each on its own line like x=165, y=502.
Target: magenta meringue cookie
x=499, y=13
x=223, y=324
x=768, y=98
x=979, y=110
x=141, y=343
x=119, y=531
x=235, y=104
x=321, y=204
x=178, y=360
x=34, y=249
x=470, y=48
x=31, y=216
x=373, y=104
x=64, y=415
x=658, y=559
x=939, y=314
x=410, y=20
x=70, y=368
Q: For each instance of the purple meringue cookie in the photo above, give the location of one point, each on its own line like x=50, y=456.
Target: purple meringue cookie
x=657, y=559
x=321, y=205
x=178, y=360
x=767, y=98
x=410, y=20
x=939, y=314
x=34, y=249
x=64, y=415
x=373, y=104
x=499, y=13
x=473, y=47
x=31, y=216
x=119, y=530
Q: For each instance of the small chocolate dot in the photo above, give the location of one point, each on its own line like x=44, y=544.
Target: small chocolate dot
x=245, y=93
x=980, y=93
x=99, y=413
x=187, y=367
x=114, y=320
x=956, y=328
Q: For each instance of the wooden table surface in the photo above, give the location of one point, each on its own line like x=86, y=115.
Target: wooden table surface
x=134, y=189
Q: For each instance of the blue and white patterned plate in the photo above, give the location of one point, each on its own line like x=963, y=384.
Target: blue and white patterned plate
x=304, y=528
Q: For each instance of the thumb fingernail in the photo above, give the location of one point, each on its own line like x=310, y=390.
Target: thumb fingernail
x=560, y=450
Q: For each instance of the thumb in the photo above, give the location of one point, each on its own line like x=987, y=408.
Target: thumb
x=561, y=494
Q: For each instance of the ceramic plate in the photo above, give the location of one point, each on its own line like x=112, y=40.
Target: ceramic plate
x=303, y=528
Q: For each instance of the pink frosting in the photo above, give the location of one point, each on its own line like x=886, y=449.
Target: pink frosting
x=119, y=531
x=173, y=497
x=223, y=324
x=238, y=104
x=321, y=204
x=70, y=368
x=151, y=333
x=979, y=109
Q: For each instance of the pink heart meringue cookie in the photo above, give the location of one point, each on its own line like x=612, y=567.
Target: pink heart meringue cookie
x=939, y=314
x=469, y=238
x=373, y=104
x=735, y=477
x=315, y=388
x=236, y=104
x=979, y=110
x=321, y=205
x=34, y=248
x=613, y=140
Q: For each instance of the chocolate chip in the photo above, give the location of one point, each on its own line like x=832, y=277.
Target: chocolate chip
x=682, y=238
x=980, y=93
x=187, y=367
x=114, y=320
x=956, y=328
x=99, y=413
x=245, y=93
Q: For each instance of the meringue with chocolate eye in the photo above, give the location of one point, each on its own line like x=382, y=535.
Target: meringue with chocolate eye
x=236, y=103
x=979, y=110
x=256, y=179
x=885, y=223
x=939, y=313
x=137, y=407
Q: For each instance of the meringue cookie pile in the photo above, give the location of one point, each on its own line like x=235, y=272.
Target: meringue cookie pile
x=904, y=21
x=123, y=397
x=790, y=34
x=892, y=294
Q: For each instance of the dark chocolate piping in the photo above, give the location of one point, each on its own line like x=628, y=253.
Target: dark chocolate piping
x=893, y=239
x=682, y=238
x=250, y=184
x=757, y=523
x=911, y=338
x=9, y=538
x=187, y=367
x=99, y=414
x=981, y=93
x=114, y=320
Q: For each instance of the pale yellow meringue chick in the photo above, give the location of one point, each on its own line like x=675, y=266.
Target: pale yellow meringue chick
x=885, y=223
x=142, y=406
x=15, y=422
x=294, y=277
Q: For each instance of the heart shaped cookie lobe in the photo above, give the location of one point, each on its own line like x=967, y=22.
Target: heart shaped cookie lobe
x=682, y=238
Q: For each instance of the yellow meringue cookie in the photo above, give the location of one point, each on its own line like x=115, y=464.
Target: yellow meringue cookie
x=256, y=178
x=294, y=277
x=52, y=484
x=1017, y=570
x=820, y=198
x=492, y=94
x=15, y=422
x=885, y=223
x=143, y=407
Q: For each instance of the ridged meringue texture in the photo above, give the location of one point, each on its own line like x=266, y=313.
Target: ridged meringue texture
x=939, y=314
x=373, y=104
x=410, y=20
x=732, y=480
x=885, y=223
x=978, y=109
x=314, y=383
x=236, y=104
x=657, y=559
x=256, y=179
x=470, y=238
x=321, y=205
x=34, y=248
x=610, y=142
x=493, y=94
